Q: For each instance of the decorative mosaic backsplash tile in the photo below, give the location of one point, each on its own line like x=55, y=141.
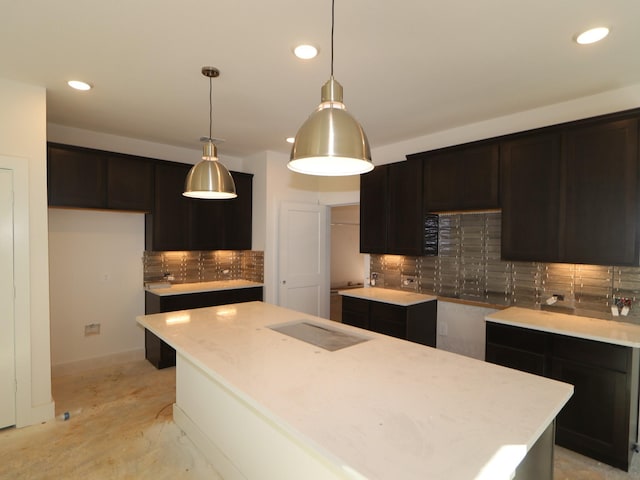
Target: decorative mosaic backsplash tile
x=468, y=266
x=204, y=266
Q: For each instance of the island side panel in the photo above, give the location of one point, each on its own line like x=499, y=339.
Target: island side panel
x=238, y=440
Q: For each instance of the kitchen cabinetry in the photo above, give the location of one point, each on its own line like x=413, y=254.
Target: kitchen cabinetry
x=181, y=223
x=405, y=231
x=391, y=219
x=601, y=193
x=223, y=224
x=373, y=210
x=157, y=352
x=570, y=194
x=168, y=226
x=464, y=177
x=416, y=323
x=530, y=190
x=600, y=419
x=87, y=178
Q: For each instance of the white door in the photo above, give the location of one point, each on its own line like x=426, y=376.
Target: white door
x=7, y=325
x=304, y=258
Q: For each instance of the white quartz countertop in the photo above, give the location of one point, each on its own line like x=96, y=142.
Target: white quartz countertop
x=383, y=409
x=199, y=287
x=608, y=331
x=386, y=295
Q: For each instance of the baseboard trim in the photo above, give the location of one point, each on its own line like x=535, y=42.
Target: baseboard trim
x=84, y=365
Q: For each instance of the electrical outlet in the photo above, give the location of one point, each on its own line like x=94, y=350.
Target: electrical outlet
x=92, y=329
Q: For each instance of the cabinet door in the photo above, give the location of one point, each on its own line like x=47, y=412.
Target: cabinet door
x=129, y=183
x=462, y=178
x=167, y=228
x=600, y=222
x=373, y=211
x=238, y=214
x=595, y=421
x=389, y=319
x=405, y=232
x=355, y=312
x=207, y=227
x=76, y=177
x=520, y=348
x=224, y=224
x=530, y=192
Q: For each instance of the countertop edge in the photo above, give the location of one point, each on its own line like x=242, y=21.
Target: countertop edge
x=163, y=292
x=560, y=330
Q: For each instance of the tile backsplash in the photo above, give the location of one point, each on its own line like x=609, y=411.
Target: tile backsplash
x=204, y=266
x=468, y=266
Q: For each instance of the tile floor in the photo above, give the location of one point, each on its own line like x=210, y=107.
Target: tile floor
x=121, y=428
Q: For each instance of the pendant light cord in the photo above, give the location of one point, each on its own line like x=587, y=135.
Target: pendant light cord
x=210, y=107
x=333, y=7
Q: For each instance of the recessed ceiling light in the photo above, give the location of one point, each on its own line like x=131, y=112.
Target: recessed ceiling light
x=78, y=85
x=593, y=35
x=291, y=139
x=305, y=52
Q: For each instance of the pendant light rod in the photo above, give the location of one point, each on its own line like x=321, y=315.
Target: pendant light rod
x=333, y=21
x=211, y=72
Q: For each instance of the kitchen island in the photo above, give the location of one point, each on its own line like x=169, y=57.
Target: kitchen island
x=347, y=403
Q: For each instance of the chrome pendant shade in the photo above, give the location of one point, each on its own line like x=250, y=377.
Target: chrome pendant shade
x=209, y=179
x=331, y=142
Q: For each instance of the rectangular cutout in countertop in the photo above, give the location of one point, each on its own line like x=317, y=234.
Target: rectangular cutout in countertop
x=319, y=335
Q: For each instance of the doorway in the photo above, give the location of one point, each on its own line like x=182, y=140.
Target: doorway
x=7, y=318
x=347, y=263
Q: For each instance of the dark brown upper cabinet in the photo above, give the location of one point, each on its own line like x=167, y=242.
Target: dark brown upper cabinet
x=530, y=189
x=168, y=226
x=87, y=178
x=181, y=223
x=600, y=222
x=76, y=177
x=464, y=177
x=224, y=224
x=405, y=226
x=570, y=193
x=129, y=183
x=391, y=209
x=373, y=210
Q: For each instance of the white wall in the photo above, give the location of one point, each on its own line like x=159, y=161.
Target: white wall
x=461, y=328
x=347, y=263
x=23, y=135
x=95, y=262
x=282, y=185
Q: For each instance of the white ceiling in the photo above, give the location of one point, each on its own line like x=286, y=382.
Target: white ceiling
x=408, y=68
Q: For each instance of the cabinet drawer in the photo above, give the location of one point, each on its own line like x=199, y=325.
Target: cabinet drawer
x=355, y=305
x=360, y=320
x=524, y=361
x=389, y=319
x=518, y=338
x=589, y=352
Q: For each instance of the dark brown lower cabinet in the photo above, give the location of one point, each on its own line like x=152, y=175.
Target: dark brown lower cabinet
x=416, y=323
x=157, y=352
x=601, y=418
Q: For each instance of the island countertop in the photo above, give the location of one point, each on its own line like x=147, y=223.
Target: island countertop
x=607, y=331
x=382, y=409
x=199, y=287
x=386, y=295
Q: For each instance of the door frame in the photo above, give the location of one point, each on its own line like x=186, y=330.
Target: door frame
x=22, y=280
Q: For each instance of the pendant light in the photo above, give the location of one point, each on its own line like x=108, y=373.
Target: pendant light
x=331, y=142
x=209, y=179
